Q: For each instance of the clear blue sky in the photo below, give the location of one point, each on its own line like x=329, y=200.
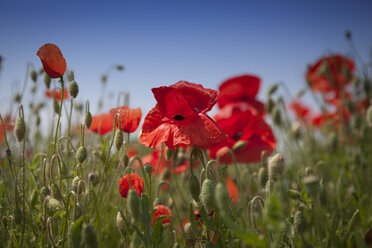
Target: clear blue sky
x=161, y=42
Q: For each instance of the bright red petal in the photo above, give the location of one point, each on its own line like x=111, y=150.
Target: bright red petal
x=129, y=118
x=101, y=124
x=52, y=59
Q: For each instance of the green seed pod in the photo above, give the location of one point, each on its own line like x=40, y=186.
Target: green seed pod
x=17, y=98
x=369, y=116
x=276, y=166
x=73, y=88
x=239, y=145
x=299, y=222
x=119, y=138
x=81, y=154
x=148, y=168
x=56, y=193
x=133, y=204
x=120, y=224
x=33, y=89
x=194, y=187
x=270, y=105
x=207, y=194
x=272, y=89
x=53, y=204
x=18, y=216
x=222, y=197
x=263, y=176
x=119, y=67
x=33, y=75
x=75, y=183
x=277, y=116
x=168, y=153
x=55, y=106
x=296, y=130
x=312, y=184
x=45, y=191
x=20, y=128
x=47, y=80
x=126, y=160
x=90, y=236
x=88, y=119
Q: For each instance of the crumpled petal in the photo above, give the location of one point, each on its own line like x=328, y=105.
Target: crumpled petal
x=102, y=123
x=129, y=118
x=52, y=59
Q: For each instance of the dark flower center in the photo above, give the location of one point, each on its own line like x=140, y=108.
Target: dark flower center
x=178, y=117
x=238, y=136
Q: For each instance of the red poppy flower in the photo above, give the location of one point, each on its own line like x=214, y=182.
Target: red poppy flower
x=301, y=111
x=52, y=59
x=101, y=124
x=331, y=118
x=162, y=210
x=136, y=184
x=242, y=88
x=153, y=158
x=242, y=124
x=57, y=94
x=233, y=190
x=179, y=117
x=330, y=74
x=129, y=118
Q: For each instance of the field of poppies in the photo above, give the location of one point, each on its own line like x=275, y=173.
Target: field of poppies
x=271, y=173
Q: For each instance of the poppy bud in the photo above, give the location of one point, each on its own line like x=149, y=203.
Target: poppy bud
x=126, y=160
x=299, y=222
x=239, y=145
x=276, y=166
x=120, y=223
x=158, y=201
x=92, y=177
x=47, y=80
x=369, y=116
x=75, y=183
x=33, y=75
x=8, y=153
x=80, y=187
x=71, y=75
x=270, y=105
x=222, y=197
x=119, y=67
x=53, y=204
x=296, y=131
x=81, y=154
x=348, y=34
x=263, y=176
x=20, y=128
x=277, y=116
x=45, y=191
x=90, y=236
x=194, y=187
x=33, y=89
x=88, y=119
x=18, y=216
x=119, y=138
x=73, y=88
x=133, y=204
x=55, y=106
x=148, y=168
x=168, y=153
x=207, y=194
x=56, y=193
x=269, y=187
x=312, y=184
x=272, y=89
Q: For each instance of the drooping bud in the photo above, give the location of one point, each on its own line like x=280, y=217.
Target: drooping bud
x=33, y=75
x=263, y=176
x=90, y=236
x=207, y=194
x=120, y=223
x=53, y=204
x=239, y=145
x=312, y=184
x=73, y=88
x=272, y=89
x=119, y=67
x=133, y=204
x=88, y=119
x=47, y=80
x=148, y=168
x=270, y=105
x=75, y=183
x=45, y=191
x=81, y=154
x=296, y=130
x=277, y=116
x=20, y=128
x=222, y=197
x=119, y=138
x=55, y=106
x=194, y=187
x=299, y=222
x=276, y=166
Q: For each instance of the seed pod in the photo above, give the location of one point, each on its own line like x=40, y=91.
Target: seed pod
x=33, y=75
x=277, y=116
x=133, y=204
x=90, y=236
x=53, y=204
x=207, y=194
x=88, y=119
x=276, y=166
x=119, y=138
x=120, y=224
x=263, y=176
x=239, y=145
x=55, y=106
x=148, y=168
x=81, y=154
x=20, y=128
x=75, y=183
x=222, y=197
x=299, y=222
x=73, y=88
x=56, y=193
x=47, y=80
x=194, y=187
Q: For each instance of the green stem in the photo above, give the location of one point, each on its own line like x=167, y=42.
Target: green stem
x=59, y=115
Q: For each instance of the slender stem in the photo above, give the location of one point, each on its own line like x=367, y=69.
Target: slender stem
x=59, y=115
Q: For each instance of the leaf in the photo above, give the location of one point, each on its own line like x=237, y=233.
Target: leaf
x=74, y=235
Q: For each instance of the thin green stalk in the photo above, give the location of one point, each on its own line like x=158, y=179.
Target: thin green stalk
x=59, y=115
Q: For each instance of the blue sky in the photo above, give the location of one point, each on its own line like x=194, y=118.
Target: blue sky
x=161, y=42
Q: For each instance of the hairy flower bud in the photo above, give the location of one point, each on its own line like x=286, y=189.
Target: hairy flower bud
x=119, y=138
x=207, y=194
x=33, y=75
x=239, y=145
x=88, y=119
x=75, y=183
x=148, y=168
x=81, y=154
x=168, y=153
x=133, y=204
x=53, y=204
x=194, y=187
x=276, y=166
x=222, y=197
x=47, y=80
x=45, y=191
x=120, y=223
x=272, y=89
x=56, y=193
x=263, y=176
x=20, y=128
x=73, y=88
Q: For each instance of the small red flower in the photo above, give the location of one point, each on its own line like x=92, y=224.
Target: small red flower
x=242, y=88
x=301, y=111
x=162, y=210
x=101, y=124
x=153, y=158
x=233, y=190
x=179, y=117
x=57, y=94
x=136, y=184
x=52, y=59
x=129, y=118
x=330, y=74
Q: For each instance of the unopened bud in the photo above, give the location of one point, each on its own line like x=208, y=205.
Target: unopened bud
x=33, y=75
x=348, y=34
x=53, y=204
x=222, y=197
x=239, y=145
x=56, y=193
x=277, y=116
x=20, y=128
x=276, y=166
x=148, y=168
x=71, y=75
x=270, y=105
x=55, y=106
x=75, y=183
x=120, y=223
x=45, y=191
x=81, y=154
x=47, y=80
x=90, y=236
x=263, y=176
x=119, y=138
x=92, y=177
x=133, y=204
x=168, y=153
x=194, y=187
x=296, y=130
x=119, y=67
x=207, y=194
x=158, y=201
x=308, y=171
x=88, y=119
x=272, y=89
x=73, y=88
